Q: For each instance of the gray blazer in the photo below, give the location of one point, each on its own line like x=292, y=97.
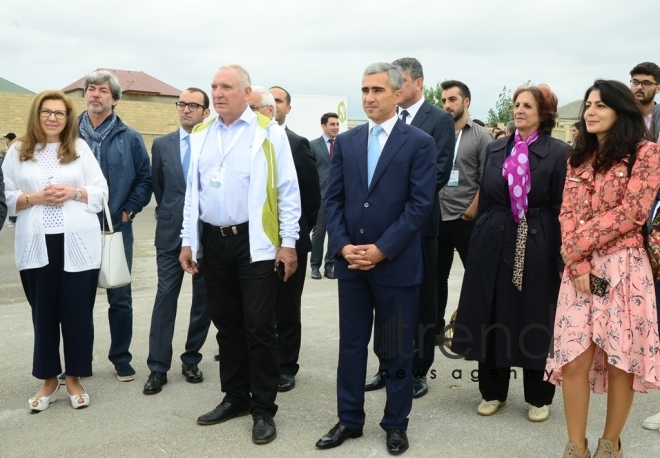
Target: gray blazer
x=169, y=189
x=320, y=151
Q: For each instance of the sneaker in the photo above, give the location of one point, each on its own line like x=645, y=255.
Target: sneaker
x=125, y=372
x=62, y=378
x=488, y=408
x=538, y=414
x=11, y=224
x=652, y=422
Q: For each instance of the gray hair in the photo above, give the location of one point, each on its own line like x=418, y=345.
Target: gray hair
x=243, y=75
x=394, y=75
x=100, y=77
x=511, y=126
x=267, y=99
x=410, y=65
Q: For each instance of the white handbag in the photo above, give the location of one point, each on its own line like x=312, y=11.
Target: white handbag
x=114, y=269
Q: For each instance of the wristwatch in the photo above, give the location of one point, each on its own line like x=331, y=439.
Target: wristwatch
x=78, y=194
x=130, y=215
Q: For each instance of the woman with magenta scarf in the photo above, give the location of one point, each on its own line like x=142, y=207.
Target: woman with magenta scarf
x=512, y=275
x=606, y=340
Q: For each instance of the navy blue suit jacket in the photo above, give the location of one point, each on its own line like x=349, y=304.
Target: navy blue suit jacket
x=391, y=211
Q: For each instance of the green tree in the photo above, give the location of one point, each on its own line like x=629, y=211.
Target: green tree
x=433, y=94
x=503, y=107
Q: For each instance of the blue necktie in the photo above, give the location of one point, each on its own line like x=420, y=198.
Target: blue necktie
x=373, y=153
x=404, y=115
x=185, y=163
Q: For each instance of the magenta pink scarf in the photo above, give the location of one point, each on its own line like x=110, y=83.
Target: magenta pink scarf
x=516, y=171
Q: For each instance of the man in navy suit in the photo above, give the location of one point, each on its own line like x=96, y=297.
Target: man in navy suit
x=171, y=159
x=416, y=111
x=380, y=192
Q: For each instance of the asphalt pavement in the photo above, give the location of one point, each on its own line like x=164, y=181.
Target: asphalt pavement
x=122, y=421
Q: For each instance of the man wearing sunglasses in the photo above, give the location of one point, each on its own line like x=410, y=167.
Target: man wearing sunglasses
x=170, y=157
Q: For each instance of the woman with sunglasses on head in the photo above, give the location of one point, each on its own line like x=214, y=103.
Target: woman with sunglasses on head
x=55, y=187
x=606, y=333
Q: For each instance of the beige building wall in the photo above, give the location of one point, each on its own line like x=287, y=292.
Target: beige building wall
x=151, y=119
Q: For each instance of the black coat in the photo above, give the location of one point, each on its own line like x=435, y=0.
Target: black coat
x=524, y=320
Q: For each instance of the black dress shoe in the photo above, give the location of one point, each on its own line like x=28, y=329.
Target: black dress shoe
x=337, y=435
x=217, y=357
x=420, y=387
x=397, y=441
x=287, y=382
x=225, y=411
x=330, y=273
x=155, y=383
x=263, y=430
x=376, y=383
x=192, y=373
x=316, y=275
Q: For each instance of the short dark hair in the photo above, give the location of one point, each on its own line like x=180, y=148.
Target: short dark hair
x=326, y=116
x=411, y=65
x=647, y=68
x=10, y=136
x=628, y=130
x=576, y=124
x=462, y=88
x=288, y=96
x=206, y=97
x=546, y=101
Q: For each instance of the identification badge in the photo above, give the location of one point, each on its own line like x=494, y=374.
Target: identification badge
x=218, y=177
x=453, y=178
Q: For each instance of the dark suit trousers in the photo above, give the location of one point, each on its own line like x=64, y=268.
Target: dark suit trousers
x=241, y=301
x=454, y=235
x=424, y=345
x=163, y=317
x=396, y=316
x=60, y=299
x=289, y=329
x=318, y=243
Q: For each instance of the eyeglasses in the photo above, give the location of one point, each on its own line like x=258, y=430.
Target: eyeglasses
x=256, y=107
x=645, y=84
x=192, y=106
x=45, y=113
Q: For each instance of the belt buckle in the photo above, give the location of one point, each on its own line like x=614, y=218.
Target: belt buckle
x=228, y=231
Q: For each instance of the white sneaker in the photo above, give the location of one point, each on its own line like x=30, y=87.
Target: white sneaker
x=488, y=408
x=652, y=422
x=538, y=414
x=10, y=224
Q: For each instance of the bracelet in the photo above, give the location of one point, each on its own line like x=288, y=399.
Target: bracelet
x=27, y=199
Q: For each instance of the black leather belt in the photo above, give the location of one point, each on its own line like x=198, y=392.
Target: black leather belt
x=228, y=231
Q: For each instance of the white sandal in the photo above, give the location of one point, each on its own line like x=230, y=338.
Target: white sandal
x=44, y=401
x=75, y=399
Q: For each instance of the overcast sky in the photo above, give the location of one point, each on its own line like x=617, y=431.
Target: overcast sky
x=322, y=48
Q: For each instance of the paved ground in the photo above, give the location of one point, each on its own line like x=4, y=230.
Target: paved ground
x=121, y=421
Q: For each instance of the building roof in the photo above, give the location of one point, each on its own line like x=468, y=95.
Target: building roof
x=570, y=110
x=8, y=86
x=133, y=82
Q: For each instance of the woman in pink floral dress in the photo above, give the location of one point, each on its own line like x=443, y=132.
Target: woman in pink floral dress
x=606, y=344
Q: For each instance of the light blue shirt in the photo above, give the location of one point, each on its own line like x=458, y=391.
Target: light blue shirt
x=182, y=142
x=385, y=133
x=225, y=157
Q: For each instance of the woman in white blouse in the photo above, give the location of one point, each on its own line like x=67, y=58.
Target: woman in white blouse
x=55, y=187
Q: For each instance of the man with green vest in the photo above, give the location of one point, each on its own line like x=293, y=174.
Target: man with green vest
x=242, y=209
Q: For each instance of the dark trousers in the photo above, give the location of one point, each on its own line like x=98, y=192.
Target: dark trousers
x=424, y=343
x=318, y=244
x=454, y=235
x=494, y=385
x=241, y=300
x=120, y=313
x=396, y=317
x=163, y=317
x=60, y=299
x=289, y=329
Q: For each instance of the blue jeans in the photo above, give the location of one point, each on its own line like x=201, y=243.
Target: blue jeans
x=120, y=313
